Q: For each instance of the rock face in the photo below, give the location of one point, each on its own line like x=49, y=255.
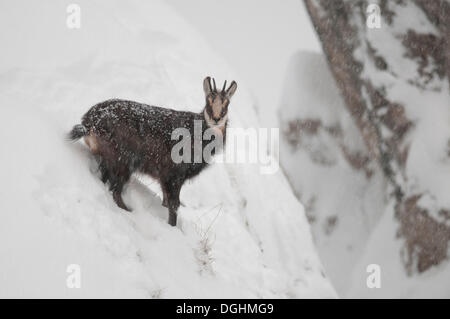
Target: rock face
x=394, y=81
x=328, y=165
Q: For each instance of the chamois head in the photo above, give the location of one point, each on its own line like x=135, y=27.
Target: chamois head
x=216, y=109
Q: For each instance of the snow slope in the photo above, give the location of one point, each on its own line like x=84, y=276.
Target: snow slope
x=245, y=237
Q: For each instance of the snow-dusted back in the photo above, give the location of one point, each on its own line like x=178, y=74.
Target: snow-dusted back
x=241, y=234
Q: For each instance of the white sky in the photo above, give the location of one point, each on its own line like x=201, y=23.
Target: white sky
x=256, y=37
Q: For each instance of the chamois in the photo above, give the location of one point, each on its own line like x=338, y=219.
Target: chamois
x=127, y=137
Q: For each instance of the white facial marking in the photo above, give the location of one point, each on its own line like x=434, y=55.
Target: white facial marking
x=220, y=125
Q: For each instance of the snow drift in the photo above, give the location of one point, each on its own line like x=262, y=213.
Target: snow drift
x=245, y=237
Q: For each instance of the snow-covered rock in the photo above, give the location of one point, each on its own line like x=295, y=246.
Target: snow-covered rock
x=394, y=206
x=241, y=234
x=327, y=164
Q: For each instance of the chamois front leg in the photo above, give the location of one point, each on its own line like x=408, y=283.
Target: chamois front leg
x=103, y=171
x=172, y=190
x=165, y=202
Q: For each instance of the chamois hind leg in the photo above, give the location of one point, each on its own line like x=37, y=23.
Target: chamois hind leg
x=118, y=176
x=172, y=190
x=117, y=196
x=165, y=202
x=103, y=171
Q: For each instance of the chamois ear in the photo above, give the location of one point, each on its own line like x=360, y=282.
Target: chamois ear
x=230, y=91
x=207, y=85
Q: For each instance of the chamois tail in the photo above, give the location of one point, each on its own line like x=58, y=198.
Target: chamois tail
x=77, y=132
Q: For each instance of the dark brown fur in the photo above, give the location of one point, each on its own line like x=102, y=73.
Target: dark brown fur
x=128, y=137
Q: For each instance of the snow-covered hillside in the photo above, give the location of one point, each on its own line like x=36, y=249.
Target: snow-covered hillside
x=245, y=237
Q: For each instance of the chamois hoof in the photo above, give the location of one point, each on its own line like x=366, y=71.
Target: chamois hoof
x=118, y=200
x=125, y=207
x=172, y=220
